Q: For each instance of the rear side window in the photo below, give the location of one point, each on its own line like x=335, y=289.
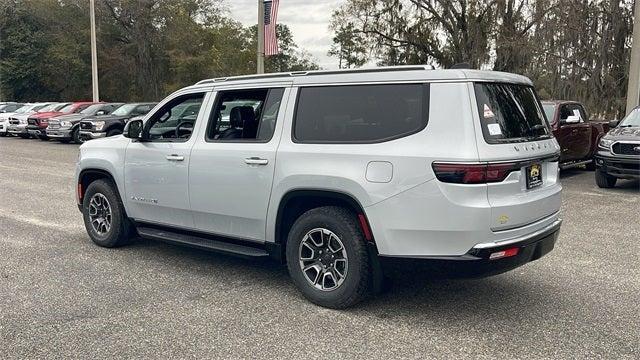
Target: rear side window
x=510, y=113
x=360, y=113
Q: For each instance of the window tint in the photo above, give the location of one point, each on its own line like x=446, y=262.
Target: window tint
x=175, y=121
x=510, y=113
x=245, y=115
x=360, y=113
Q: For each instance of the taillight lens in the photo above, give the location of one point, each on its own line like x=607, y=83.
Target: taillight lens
x=461, y=173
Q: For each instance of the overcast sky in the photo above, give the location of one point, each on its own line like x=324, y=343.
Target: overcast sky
x=307, y=19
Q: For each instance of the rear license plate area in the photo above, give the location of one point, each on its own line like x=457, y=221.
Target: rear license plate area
x=534, y=175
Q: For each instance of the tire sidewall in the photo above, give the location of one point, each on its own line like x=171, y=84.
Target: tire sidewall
x=352, y=241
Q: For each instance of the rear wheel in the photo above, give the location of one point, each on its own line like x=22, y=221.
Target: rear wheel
x=24, y=136
x=605, y=180
x=104, y=215
x=43, y=137
x=327, y=257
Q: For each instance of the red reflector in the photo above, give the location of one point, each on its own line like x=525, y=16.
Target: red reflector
x=79, y=194
x=504, y=254
x=365, y=227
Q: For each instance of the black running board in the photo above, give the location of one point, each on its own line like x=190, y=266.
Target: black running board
x=202, y=242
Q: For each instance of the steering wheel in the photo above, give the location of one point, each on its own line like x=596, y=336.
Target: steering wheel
x=189, y=129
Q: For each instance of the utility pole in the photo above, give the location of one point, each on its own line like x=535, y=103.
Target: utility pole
x=94, y=52
x=261, y=37
x=633, y=91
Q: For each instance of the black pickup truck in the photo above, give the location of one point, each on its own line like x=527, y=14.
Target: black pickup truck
x=96, y=127
x=618, y=155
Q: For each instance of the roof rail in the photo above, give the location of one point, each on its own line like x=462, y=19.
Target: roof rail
x=318, y=72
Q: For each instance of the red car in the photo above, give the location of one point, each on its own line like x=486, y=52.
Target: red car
x=38, y=122
x=577, y=135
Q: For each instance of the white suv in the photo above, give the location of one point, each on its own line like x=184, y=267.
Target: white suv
x=336, y=172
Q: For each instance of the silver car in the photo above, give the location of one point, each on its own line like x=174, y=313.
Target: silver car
x=338, y=174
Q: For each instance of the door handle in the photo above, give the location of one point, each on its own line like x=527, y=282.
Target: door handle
x=256, y=161
x=175, y=157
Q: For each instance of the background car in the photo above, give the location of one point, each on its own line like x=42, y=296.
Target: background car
x=112, y=124
x=66, y=128
x=618, y=154
x=18, y=120
x=578, y=137
x=37, y=123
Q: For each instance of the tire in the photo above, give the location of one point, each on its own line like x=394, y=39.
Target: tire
x=3, y=134
x=75, y=136
x=120, y=229
x=355, y=284
x=591, y=166
x=43, y=138
x=605, y=180
x=24, y=136
x=114, y=132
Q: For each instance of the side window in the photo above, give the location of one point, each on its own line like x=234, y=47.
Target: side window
x=175, y=121
x=245, y=115
x=360, y=113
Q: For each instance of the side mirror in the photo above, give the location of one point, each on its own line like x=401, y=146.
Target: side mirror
x=133, y=129
x=613, y=123
x=571, y=119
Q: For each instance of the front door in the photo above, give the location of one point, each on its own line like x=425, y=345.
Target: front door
x=231, y=170
x=157, y=166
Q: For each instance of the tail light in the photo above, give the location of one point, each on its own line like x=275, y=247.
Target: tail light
x=461, y=173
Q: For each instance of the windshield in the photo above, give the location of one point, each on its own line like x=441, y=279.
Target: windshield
x=631, y=120
x=510, y=113
x=24, y=109
x=48, y=108
x=92, y=109
x=67, y=109
x=124, y=110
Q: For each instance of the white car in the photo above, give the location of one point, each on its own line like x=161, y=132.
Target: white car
x=4, y=117
x=17, y=121
x=337, y=174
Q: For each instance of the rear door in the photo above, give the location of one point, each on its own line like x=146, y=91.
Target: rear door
x=232, y=165
x=511, y=131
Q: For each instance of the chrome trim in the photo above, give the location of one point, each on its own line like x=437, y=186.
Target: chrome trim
x=549, y=228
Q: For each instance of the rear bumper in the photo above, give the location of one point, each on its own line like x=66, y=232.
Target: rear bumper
x=618, y=166
x=89, y=135
x=477, y=262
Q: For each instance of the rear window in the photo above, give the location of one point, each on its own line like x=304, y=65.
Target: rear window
x=360, y=113
x=510, y=113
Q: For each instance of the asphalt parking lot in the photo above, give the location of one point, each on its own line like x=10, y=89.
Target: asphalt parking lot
x=63, y=297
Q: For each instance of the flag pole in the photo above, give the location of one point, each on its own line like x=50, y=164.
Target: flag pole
x=260, y=69
x=94, y=53
x=633, y=89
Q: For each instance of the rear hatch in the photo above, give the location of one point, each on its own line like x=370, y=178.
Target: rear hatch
x=514, y=136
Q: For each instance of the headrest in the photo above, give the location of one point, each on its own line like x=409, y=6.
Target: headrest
x=239, y=115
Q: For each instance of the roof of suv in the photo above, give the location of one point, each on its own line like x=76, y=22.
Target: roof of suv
x=381, y=74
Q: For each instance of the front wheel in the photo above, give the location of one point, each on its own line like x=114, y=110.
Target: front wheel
x=104, y=215
x=604, y=180
x=75, y=136
x=327, y=257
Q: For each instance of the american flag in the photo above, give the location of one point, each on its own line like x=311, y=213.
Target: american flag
x=270, y=20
